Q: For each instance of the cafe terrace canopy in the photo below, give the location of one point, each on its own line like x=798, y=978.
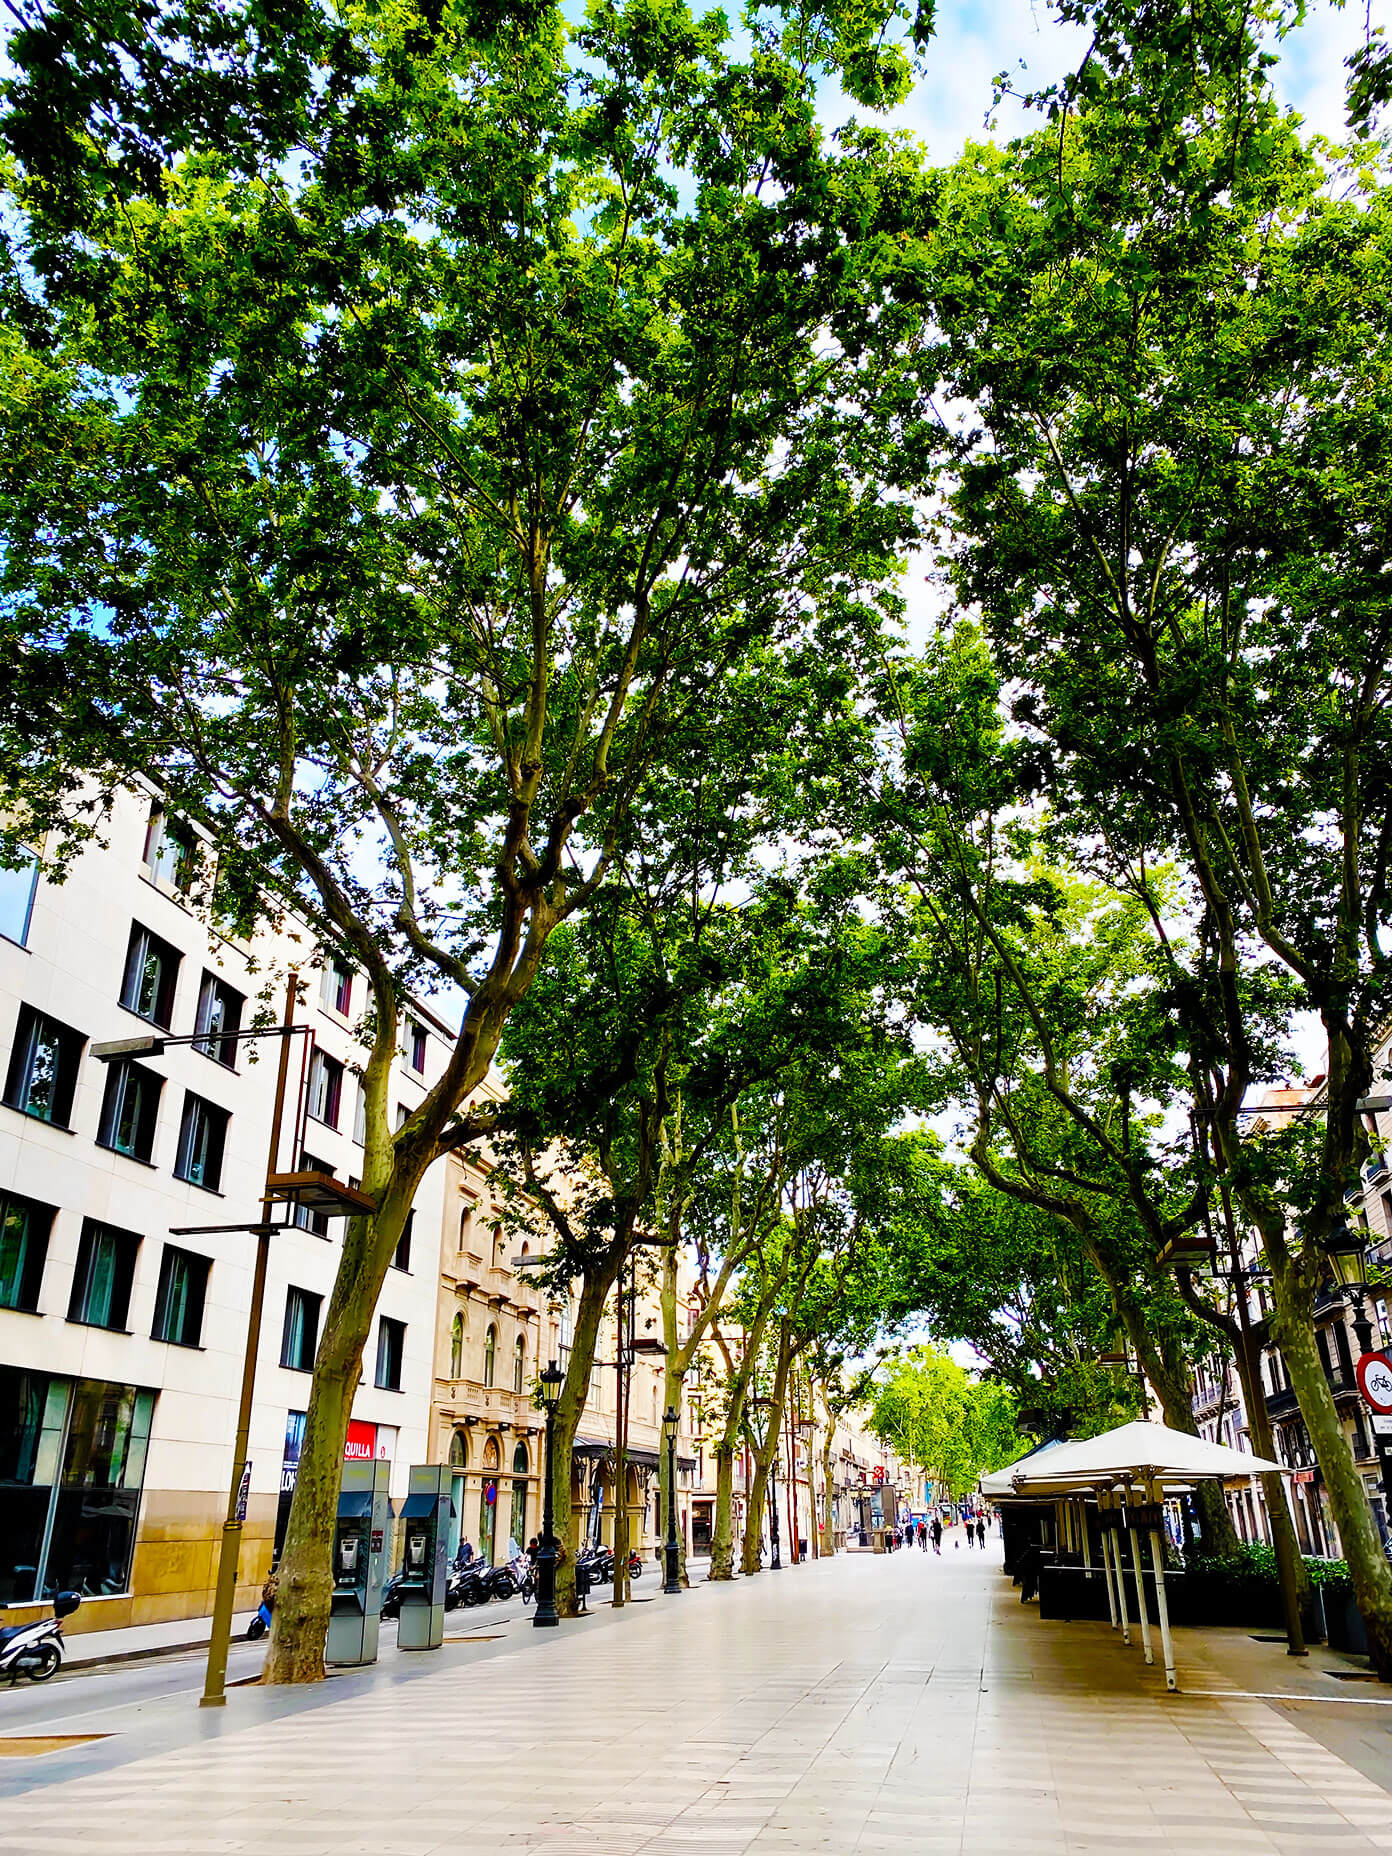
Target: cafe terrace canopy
x=1132, y=1453
x=1139, y=1461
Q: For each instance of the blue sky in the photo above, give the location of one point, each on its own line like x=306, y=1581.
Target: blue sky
x=977, y=38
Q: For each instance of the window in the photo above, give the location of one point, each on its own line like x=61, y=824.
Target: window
x=391, y=1345
x=183, y=1289
x=17, y=898
x=401, y=1257
x=566, y=1338
x=499, y=1254
x=102, y=1280
x=490, y=1354
x=325, y=1088
x=466, y=1226
x=202, y=1138
x=43, y=1067
x=72, y=1460
x=219, y=1020
x=519, y=1362
x=171, y=849
x=458, y=1450
x=300, y=1335
x=517, y=1520
x=24, y=1228
x=456, y=1370
x=318, y=1222
x=152, y=973
x=336, y=986
x=130, y=1109
x=360, y=1116
x=416, y=1050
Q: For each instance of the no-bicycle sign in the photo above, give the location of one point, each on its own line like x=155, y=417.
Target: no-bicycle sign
x=1374, y=1372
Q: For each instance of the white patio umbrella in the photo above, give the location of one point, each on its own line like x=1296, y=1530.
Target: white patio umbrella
x=1000, y=1482
x=1153, y=1457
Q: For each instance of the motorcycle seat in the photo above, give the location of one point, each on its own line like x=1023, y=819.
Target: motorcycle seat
x=9, y=1631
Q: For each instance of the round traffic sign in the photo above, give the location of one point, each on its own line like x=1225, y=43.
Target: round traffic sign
x=1374, y=1372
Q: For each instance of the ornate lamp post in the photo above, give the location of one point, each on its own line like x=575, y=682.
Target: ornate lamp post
x=1347, y=1250
x=552, y=1379
x=669, y=1432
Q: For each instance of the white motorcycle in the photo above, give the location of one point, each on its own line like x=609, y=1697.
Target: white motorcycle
x=36, y=1650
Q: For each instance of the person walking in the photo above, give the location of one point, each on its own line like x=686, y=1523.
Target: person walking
x=937, y=1535
x=923, y=1536
x=981, y=1532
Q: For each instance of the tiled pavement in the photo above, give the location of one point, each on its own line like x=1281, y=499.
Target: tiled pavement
x=857, y=1705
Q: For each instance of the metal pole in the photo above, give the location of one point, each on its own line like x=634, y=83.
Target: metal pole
x=1163, y=1606
x=621, y=1451
x=672, y=1583
x=230, y=1547
x=1107, y=1580
x=546, y=1552
x=1141, y=1604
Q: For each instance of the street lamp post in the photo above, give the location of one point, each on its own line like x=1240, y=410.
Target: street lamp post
x=669, y=1431
x=1347, y=1251
x=551, y=1382
x=775, y=1563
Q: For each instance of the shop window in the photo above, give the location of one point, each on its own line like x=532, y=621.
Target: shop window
x=517, y=1522
x=102, y=1280
x=456, y=1367
x=24, y=1228
x=130, y=1109
x=202, y=1140
x=17, y=898
x=300, y=1336
x=325, y=1088
x=490, y=1354
x=401, y=1256
x=43, y=1067
x=391, y=1347
x=151, y=977
x=519, y=1362
x=336, y=986
x=94, y=1516
x=219, y=1020
x=183, y=1290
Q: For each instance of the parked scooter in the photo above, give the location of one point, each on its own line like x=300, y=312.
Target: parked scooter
x=36, y=1650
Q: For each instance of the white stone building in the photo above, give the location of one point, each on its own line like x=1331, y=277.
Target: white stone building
x=123, y=1306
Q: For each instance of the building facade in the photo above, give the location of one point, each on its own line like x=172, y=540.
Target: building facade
x=125, y=1264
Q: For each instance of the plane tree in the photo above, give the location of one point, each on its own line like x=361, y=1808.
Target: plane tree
x=415, y=422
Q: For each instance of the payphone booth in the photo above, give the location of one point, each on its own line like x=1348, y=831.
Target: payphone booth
x=424, y=1557
x=359, y=1563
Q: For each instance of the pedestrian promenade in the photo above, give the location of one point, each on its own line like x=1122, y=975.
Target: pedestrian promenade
x=859, y=1704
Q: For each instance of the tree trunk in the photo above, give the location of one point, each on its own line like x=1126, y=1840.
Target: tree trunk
x=1292, y=1573
x=1170, y=1378
x=300, y=1619
x=594, y=1293
x=753, y=1538
x=722, y=1564
x=1369, y=1570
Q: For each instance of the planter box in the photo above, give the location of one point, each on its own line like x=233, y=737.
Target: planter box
x=1344, y=1625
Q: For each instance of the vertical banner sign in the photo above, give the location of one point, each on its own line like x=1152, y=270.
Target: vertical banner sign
x=244, y=1490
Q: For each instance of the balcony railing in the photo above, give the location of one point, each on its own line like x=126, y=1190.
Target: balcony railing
x=1282, y=1404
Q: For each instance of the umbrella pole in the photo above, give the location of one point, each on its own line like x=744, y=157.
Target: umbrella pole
x=1107, y=1579
x=1162, y=1605
x=1121, y=1586
x=1083, y=1529
x=1140, y=1596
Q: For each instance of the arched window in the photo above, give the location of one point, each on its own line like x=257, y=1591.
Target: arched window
x=519, y=1362
x=490, y=1353
x=488, y=1499
x=459, y=1450
x=517, y=1520
x=498, y=1262
x=466, y=1220
x=457, y=1347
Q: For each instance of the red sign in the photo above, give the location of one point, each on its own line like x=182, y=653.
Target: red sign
x=361, y=1443
x=879, y=1475
x=1374, y=1372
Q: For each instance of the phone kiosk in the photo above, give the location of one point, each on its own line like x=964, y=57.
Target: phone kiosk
x=424, y=1557
x=359, y=1561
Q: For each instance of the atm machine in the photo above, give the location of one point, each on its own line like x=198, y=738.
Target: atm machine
x=424, y=1557
x=359, y=1563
